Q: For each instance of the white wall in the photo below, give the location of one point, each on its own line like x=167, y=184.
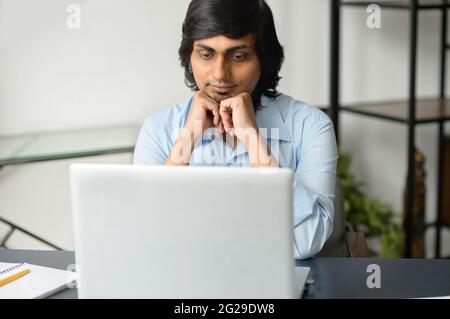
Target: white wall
x=123, y=65
x=119, y=67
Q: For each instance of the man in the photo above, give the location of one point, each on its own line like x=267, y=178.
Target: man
x=232, y=58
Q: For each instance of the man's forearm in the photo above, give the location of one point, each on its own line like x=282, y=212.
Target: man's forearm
x=259, y=153
x=181, y=151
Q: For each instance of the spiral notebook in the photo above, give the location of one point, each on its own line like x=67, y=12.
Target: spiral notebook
x=39, y=282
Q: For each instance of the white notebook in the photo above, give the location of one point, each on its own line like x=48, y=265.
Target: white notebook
x=40, y=282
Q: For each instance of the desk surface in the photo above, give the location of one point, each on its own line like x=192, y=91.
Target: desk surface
x=333, y=277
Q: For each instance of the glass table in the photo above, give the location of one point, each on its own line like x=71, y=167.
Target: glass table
x=38, y=147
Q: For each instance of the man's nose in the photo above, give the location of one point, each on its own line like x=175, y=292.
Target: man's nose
x=221, y=70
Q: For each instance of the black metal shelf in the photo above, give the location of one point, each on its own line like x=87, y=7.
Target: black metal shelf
x=427, y=111
x=411, y=112
x=405, y=4
x=429, y=225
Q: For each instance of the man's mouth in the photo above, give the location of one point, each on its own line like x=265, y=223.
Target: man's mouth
x=222, y=89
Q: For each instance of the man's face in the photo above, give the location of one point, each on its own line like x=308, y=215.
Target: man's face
x=225, y=67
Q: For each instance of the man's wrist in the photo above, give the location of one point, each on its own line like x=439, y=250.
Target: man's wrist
x=259, y=152
x=182, y=148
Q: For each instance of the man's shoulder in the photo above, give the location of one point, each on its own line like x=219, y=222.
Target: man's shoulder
x=291, y=108
x=170, y=117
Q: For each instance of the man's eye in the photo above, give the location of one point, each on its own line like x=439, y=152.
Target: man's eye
x=238, y=57
x=205, y=55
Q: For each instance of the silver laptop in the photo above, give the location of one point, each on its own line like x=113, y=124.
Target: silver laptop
x=184, y=232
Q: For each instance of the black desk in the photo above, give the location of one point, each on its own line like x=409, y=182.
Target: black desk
x=333, y=277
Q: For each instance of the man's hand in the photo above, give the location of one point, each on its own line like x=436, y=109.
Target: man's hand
x=206, y=111
x=234, y=115
x=203, y=114
x=239, y=119
x=238, y=115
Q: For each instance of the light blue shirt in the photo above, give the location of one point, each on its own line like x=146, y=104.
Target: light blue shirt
x=301, y=137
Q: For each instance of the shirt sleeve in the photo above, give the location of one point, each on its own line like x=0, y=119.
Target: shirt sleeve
x=149, y=150
x=314, y=189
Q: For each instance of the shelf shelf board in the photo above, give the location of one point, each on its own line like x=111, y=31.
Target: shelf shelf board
x=431, y=225
x=427, y=111
x=38, y=147
x=398, y=4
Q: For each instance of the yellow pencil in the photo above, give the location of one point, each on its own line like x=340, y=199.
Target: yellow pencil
x=14, y=277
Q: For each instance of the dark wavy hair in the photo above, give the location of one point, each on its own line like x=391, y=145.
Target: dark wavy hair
x=235, y=19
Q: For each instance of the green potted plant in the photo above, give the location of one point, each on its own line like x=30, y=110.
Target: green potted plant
x=374, y=218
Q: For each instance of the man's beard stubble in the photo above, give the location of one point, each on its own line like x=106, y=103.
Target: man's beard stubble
x=220, y=97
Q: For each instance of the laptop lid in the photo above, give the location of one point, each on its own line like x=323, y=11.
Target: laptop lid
x=183, y=232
